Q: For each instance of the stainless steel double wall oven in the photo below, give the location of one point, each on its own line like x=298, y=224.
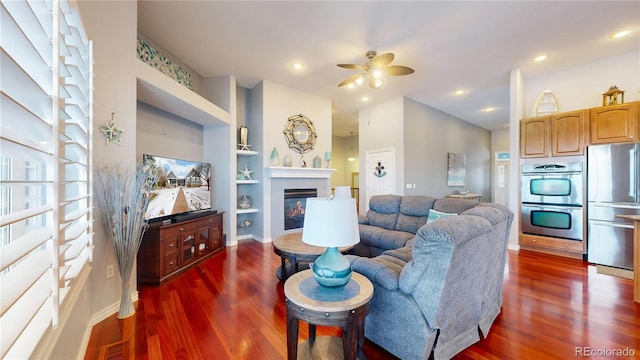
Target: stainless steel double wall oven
x=553, y=200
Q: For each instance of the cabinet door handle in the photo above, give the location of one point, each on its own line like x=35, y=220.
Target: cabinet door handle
x=172, y=245
x=170, y=262
x=181, y=229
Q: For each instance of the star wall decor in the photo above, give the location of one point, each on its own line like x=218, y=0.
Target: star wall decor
x=111, y=133
x=247, y=173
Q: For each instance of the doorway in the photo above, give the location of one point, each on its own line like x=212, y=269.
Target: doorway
x=380, y=173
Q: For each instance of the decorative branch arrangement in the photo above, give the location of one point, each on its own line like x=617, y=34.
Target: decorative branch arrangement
x=123, y=196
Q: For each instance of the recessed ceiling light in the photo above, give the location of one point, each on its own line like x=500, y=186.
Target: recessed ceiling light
x=540, y=58
x=365, y=98
x=620, y=34
x=489, y=109
x=459, y=92
x=297, y=66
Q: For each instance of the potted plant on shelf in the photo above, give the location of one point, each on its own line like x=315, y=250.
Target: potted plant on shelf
x=123, y=196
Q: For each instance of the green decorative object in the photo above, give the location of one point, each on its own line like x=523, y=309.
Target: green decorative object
x=156, y=60
x=317, y=162
x=274, y=160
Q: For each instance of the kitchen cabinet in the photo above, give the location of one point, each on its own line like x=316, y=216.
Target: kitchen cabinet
x=614, y=124
x=534, y=137
x=555, y=135
x=568, y=133
x=167, y=250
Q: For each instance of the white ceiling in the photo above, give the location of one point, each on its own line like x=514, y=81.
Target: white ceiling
x=461, y=44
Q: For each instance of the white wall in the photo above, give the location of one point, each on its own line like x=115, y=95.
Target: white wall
x=422, y=136
x=381, y=126
x=163, y=134
x=429, y=135
x=112, y=26
x=272, y=105
x=582, y=87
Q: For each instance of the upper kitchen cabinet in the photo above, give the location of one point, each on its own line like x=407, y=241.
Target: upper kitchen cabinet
x=614, y=124
x=534, y=137
x=568, y=132
x=556, y=135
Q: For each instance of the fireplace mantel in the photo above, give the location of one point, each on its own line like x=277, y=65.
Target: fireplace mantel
x=298, y=173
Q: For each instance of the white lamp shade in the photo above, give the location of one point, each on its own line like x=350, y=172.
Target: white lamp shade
x=342, y=192
x=330, y=222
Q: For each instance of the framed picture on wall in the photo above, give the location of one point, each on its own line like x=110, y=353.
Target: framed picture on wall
x=455, y=169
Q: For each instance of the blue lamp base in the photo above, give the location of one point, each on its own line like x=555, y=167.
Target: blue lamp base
x=332, y=269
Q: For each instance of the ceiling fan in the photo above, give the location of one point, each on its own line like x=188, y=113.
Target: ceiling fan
x=374, y=68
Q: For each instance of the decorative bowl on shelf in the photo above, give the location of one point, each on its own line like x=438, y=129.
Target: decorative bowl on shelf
x=463, y=192
x=244, y=202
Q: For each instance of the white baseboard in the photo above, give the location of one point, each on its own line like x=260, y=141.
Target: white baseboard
x=515, y=247
x=105, y=313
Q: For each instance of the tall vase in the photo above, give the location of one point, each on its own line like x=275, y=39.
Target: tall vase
x=274, y=160
x=126, y=304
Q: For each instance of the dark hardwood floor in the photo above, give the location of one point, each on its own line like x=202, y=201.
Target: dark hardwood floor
x=232, y=307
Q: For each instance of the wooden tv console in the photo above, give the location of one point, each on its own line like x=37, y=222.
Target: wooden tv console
x=167, y=250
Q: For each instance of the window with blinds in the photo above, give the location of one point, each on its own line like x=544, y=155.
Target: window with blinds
x=45, y=169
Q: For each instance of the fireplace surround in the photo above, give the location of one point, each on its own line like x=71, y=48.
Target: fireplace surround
x=295, y=201
x=277, y=179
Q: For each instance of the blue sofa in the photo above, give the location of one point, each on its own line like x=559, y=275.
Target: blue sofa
x=392, y=220
x=442, y=288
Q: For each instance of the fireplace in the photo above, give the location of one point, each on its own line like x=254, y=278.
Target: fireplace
x=295, y=201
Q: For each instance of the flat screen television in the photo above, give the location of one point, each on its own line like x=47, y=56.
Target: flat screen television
x=182, y=187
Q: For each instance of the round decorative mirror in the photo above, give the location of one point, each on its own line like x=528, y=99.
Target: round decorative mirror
x=300, y=133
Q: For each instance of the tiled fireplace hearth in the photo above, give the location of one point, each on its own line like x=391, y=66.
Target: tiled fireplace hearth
x=282, y=178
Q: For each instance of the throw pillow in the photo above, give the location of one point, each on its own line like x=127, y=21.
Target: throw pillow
x=435, y=215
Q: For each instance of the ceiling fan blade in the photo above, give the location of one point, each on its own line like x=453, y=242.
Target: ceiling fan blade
x=397, y=70
x=349, y=80
x=351, y=66
x=383, y=60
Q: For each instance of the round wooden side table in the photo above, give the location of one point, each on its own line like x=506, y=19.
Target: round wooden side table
x=290, y=247
x=344, y=307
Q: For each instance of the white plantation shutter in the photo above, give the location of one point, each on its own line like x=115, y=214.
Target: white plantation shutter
x=45, y=168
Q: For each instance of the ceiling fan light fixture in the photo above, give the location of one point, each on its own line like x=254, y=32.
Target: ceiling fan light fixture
x=374, y=70
x=351, y=85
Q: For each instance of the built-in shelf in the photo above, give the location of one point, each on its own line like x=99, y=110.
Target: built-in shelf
x=246, y=211
x=299, y=173
x=160, y=91
x=247, y=152
x=246, y=181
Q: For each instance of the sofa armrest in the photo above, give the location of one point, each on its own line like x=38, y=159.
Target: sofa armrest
x=363, y=219
x=384, y=270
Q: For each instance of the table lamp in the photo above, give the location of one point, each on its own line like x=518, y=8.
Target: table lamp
x=331, y=223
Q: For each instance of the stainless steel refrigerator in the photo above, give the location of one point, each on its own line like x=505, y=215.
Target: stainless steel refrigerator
x=613, y=184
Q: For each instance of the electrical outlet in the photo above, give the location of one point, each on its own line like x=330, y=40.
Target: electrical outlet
x=110, y=271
